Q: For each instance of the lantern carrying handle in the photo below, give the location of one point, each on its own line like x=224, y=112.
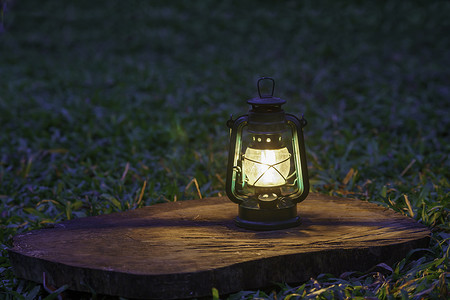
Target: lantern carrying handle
x=259, y=88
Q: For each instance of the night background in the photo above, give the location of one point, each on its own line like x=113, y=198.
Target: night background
x=100, y=100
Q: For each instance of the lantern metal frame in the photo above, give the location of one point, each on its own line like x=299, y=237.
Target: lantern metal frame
x=266, y=118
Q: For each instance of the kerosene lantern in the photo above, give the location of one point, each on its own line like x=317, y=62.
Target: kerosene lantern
x=267, y=173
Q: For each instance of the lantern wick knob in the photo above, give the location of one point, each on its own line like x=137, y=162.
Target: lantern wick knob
x=259, y=88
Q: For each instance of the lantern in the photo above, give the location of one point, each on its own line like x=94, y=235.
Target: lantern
x=267, y=173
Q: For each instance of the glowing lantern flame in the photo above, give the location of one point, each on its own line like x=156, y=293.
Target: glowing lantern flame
x=266, y=168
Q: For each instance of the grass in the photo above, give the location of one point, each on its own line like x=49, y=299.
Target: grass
x=114, y=105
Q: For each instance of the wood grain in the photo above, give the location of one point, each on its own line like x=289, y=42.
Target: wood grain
x=183, y=249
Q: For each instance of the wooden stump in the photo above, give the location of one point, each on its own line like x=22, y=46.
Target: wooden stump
x=184, y=249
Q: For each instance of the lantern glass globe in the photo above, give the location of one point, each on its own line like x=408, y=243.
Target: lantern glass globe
x=266, y=167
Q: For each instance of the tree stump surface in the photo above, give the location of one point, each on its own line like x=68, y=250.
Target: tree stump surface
x=184, y=249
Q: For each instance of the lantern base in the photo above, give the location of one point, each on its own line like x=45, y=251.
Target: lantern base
x=267, y=219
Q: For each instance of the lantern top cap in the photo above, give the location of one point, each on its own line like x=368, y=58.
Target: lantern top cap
x=266, y=100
